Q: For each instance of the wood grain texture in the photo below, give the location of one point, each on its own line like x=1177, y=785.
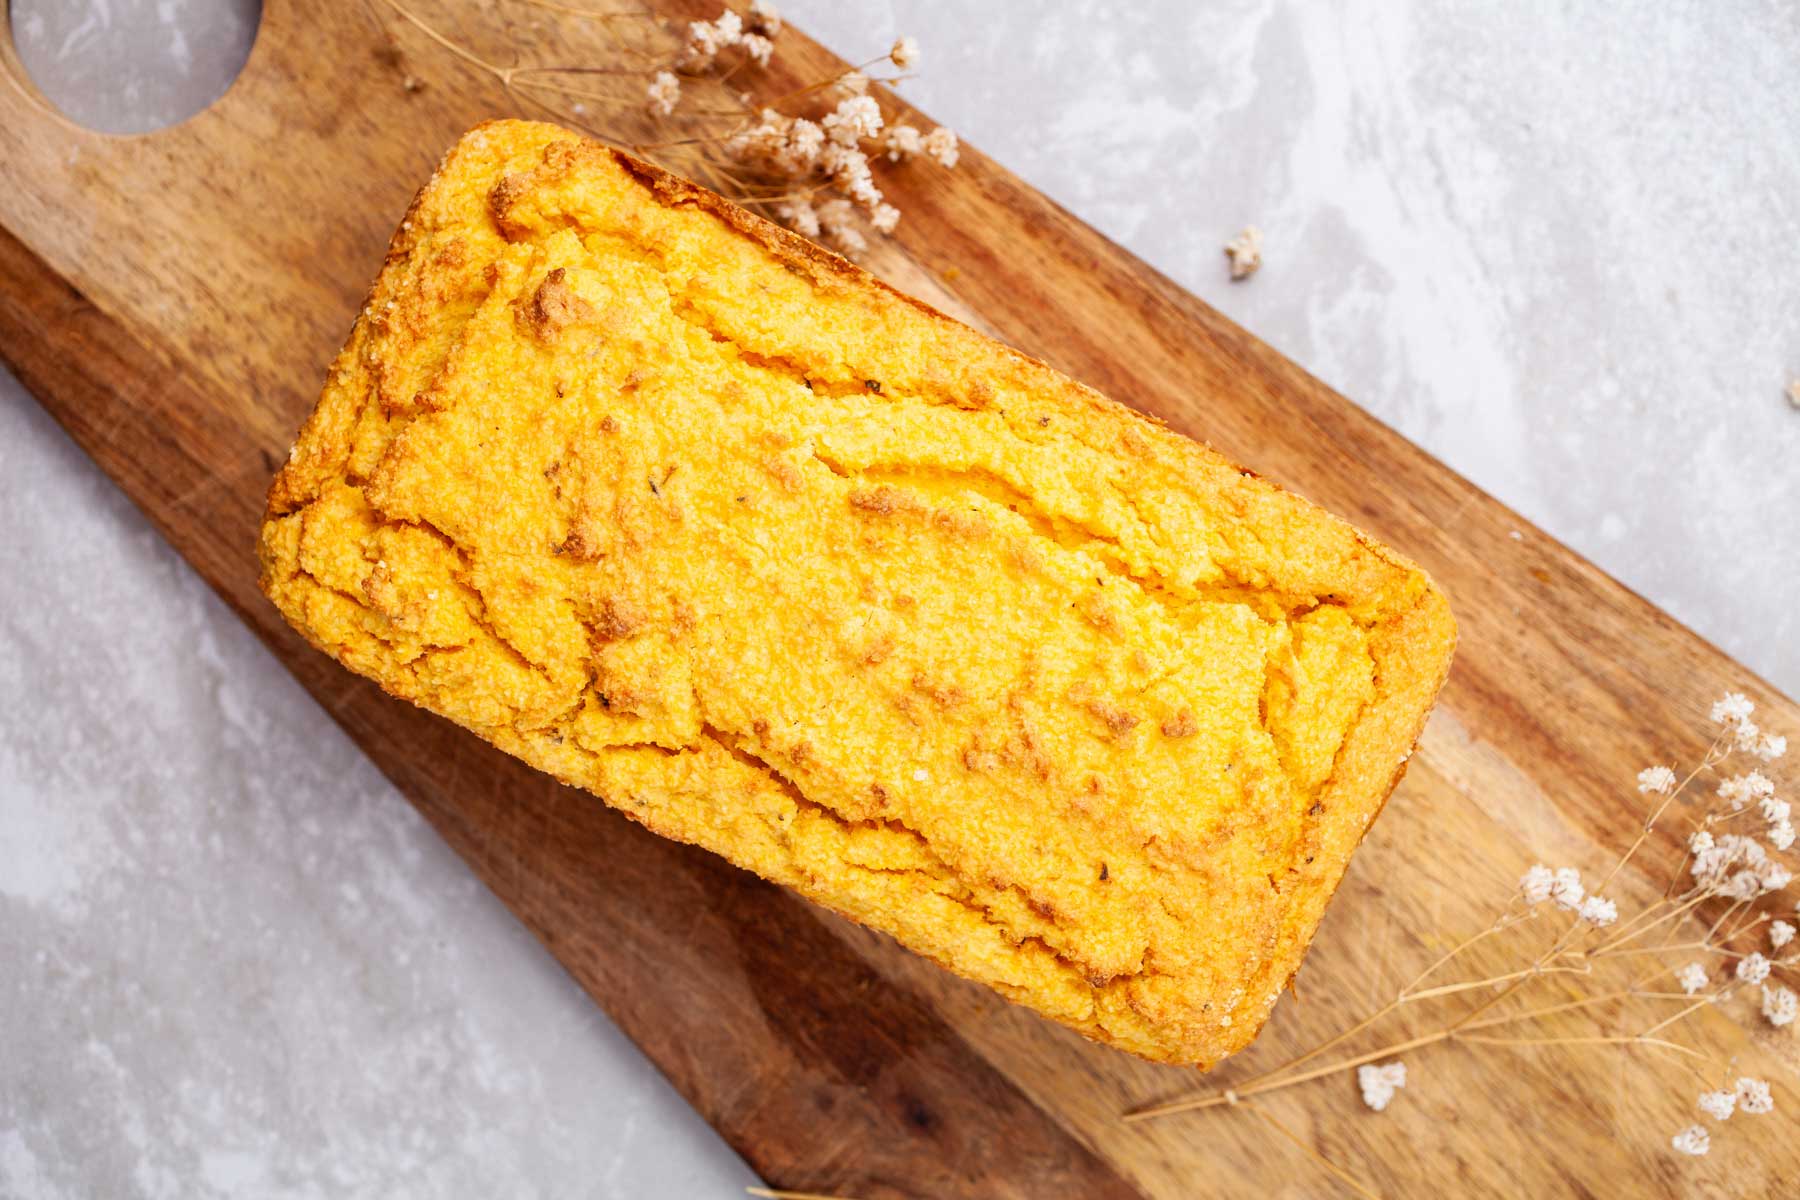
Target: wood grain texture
x=173, y=300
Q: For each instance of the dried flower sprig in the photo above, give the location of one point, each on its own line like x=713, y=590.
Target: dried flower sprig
x=807, y=158
x=1732, y=872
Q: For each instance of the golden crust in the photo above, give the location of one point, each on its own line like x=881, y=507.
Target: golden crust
x=688, y=512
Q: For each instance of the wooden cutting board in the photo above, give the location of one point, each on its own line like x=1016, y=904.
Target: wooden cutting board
x=173, y=300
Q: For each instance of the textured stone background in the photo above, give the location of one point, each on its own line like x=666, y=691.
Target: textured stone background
x=1554, y=244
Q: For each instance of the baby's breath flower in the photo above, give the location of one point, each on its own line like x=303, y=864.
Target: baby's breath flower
x=1745, y=885
x=1712, y=866
x=1743, y=790
x=1658, y=781
x=763, y=143
x=799, y=216
x=1700, y=841
x=846, y=165
x=799, y=151
x=1780, y=1005
x=764, y=18
x=852, y=83
x=1753, y=968
x=1693, y=1140
x=1753, y=1096
x=1773, y=876
x=902, y=142
x=1245, y=252
x=1718, y=1105
x=1567, y=890
x=855, y=118
x=1379, y=1082
x=1732, y=709
x=1780, y=934
x=1536, y=883
x=837, y=220
x=706, y=38
x=1770, y=747
x=905, y=52
x=865, y=195
x=884, y=218
x=758, y=49
x=940, y=145
x=1781, y=834
x=1692, y=978
x=1598, y=911
x=664, y=93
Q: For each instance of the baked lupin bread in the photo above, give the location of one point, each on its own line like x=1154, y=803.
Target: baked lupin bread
x=687, y=512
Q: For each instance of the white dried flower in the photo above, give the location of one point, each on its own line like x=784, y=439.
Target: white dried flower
x=837, y=220
x=1379, y=1082
x=1712, y=866
x=764, y=143
x=1741, y=791
x=1770, y=747
x=1693, y=1140
x=757, y=48
x=1745, y=885
x=764, y=18
x=1536, y=883
x=864, y=194
x=1780, y=1005
x=1781, y=834
x=855, y=118
x=1599, y=912
x=706, y=38
x=884, y=218
x=1244, y=253
x=1780, y=934
x=1692, y=978
x=1658, y=781
x=844, y=164
x=799, y=151
x=836, y=212
x=1753, y=1097
x=905, y=52
x=940, y=146
x=1567, y=890
x=902, y=142
x=1753, y=968
x=848, y=242
x=1732, y=709
x=1774, y=811
x=1773, y=876
x=1718, y=1105
x=852, y=83
x=1700, y=841
x=799, y=216
x=664, y=93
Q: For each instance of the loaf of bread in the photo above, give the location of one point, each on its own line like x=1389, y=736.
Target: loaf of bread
x=685, y=511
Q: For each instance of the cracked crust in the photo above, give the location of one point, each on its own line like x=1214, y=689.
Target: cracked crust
x=690, y=513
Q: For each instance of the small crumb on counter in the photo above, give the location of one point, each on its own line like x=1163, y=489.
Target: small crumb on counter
x=1245, y=253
